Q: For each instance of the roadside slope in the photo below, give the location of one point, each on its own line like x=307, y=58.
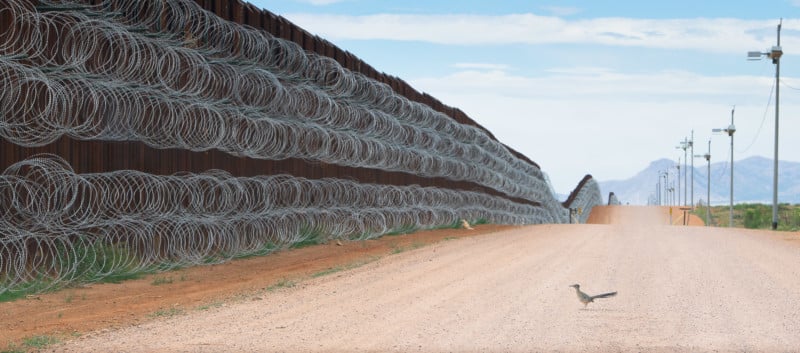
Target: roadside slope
x=75, y=311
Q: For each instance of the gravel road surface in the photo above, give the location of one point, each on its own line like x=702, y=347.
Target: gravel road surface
x=685, y=289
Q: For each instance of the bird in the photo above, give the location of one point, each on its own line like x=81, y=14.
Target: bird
x=465, y=225
x=586, y=299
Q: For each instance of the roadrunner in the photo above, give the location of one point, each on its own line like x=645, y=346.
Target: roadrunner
x=586, y=299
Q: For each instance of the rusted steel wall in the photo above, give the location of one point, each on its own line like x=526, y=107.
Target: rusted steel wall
x=104, y=156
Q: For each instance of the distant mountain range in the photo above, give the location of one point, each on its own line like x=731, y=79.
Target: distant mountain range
x=752, y=182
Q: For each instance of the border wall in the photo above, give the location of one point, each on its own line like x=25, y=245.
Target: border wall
x=140, y=135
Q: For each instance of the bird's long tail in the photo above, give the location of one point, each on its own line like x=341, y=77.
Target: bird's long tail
x=604, y=295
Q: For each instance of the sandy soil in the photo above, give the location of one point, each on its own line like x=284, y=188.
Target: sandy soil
x=680, y=289
x=74, y=312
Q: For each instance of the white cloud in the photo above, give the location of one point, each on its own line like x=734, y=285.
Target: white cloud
x=717, y=35
x=482, y=66
x=564, y=10
x=574, y=121
x=584, y=117
x=571, y=83
x=320, y=2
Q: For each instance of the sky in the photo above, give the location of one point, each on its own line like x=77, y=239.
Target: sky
x=586, y=86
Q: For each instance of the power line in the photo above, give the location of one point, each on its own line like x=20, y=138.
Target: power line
x=763, y=119
x=789, y=86
x=723, y=170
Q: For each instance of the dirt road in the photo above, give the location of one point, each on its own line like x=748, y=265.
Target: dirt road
x=680, y=289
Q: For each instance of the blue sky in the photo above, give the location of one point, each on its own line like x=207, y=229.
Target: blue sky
x=585, y=87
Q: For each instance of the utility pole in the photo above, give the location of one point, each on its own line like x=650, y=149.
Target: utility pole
x=678, y=167
x=730, y=130
x=685, y=172
x=691, y=145
x=685, y=144
x=708, y=185
x=707, y=156
x=776, y=59
x=775, y=54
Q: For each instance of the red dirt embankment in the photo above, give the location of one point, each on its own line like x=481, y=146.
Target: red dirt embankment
x=74, y=311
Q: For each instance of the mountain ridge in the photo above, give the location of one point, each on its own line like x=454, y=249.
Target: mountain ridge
x=752, y=182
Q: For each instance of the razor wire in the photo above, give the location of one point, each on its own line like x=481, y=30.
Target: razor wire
x=587, y=197
x=63, y=227
x=171, y=75
x=109, y=110
x=613, y=200
x=156, y=71
x=322, y=91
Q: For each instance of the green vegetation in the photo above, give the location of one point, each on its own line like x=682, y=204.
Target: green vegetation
x=157, y=281
x=309, y=236
x=216, y=304
x=408, y=229
x=39, y=342
x=101, y=262
x=350, y=266
x=396, y=249
x=98, y=262
x=40, y=285
x=167, y=312
x=454, y=225
x=90, y=262
x=481, y=221
x=402, y=230
x=32, y=343
x=457, y=224
x=753, y=216
x=267, y=248
x=328, y=271
x=284, y=283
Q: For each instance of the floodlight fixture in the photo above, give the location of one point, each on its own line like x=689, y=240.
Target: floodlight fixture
x=754, y=55
x=775, y=53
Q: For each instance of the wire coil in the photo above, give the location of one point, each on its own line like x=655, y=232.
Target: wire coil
x=63, y=226
x=171, y=75
x=105, y=79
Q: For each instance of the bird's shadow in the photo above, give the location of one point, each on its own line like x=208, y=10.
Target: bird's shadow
x=599, y=310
